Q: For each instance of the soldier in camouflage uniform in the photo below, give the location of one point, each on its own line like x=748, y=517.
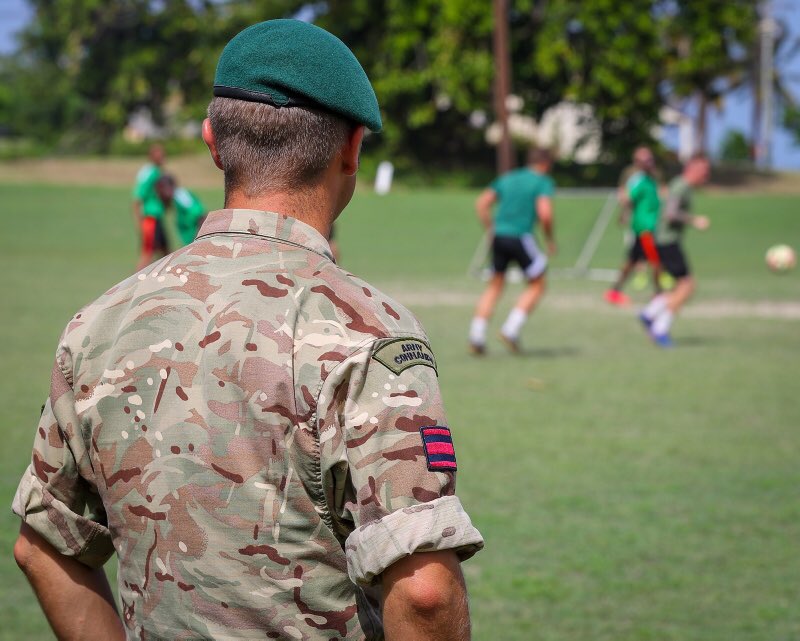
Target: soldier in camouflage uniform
x=256, y=434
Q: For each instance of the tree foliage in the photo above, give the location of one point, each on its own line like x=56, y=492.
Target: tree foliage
x=605, y=53
x=710, y=49
x=431, y=64
x=85, y=65
x=735, y=147
x=791, y=120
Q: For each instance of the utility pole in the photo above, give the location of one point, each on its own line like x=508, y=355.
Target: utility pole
x=502, y=84
x=768, y=29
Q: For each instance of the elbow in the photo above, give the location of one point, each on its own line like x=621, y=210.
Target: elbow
x=438, y=587
x=23, y=553
x=427, y=598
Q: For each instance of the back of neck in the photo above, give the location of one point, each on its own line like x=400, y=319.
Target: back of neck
x=310, y=207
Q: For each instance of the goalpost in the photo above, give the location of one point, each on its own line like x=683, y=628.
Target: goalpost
x=581, y=268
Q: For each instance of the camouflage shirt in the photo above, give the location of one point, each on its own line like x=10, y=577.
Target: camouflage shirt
x=242, y=424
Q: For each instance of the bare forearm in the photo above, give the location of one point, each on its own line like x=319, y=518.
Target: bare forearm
x=625, y=211
x=137, y=211
x=485, y=216
x=681, y=217
x=77, y=600
x=426, y=600
x=483, y=207
x=547, y=230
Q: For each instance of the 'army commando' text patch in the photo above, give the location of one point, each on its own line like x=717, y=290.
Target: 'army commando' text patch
x=401, y=353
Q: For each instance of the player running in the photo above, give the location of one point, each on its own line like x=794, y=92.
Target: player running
x=523, y=198
x=657, y=317
x=190, y=212
x=640, y=201
x=148, y=210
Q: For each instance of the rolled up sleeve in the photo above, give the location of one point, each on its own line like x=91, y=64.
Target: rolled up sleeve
x=57, y=496
x=441, y=524
x=388, y=496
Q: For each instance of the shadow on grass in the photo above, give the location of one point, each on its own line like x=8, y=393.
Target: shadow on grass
x=698, y=341
x=551, y=352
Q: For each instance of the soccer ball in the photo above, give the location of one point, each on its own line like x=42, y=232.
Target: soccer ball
x=781, y=258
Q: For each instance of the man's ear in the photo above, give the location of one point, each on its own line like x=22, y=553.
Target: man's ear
x=211, y=143
x=351, y=150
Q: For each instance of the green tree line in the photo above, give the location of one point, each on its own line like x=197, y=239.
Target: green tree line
x=84, y=66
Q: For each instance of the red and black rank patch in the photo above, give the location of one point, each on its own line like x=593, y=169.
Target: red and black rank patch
x=438, y=445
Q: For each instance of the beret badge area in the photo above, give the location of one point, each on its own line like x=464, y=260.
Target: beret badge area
x=437, y=442
x=291, y=63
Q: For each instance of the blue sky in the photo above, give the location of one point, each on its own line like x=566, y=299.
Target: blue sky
x=14, y=14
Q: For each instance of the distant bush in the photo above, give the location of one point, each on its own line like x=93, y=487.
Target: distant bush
x=735, y=148
x=13, y=148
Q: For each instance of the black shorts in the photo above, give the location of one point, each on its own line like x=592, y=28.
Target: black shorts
x=674, y=260
x=642, y=249
x=161, y=237
x=521, y=250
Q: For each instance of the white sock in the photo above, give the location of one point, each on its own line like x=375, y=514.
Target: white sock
x=516, y=319
x=662, y=323
x=655, y=307
x=477, y=331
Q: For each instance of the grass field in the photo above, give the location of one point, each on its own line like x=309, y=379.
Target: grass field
x=624, y=493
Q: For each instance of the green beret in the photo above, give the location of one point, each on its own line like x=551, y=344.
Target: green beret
x=290, y=63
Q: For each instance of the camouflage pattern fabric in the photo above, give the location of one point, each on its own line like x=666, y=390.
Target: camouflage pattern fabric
x=224, y=423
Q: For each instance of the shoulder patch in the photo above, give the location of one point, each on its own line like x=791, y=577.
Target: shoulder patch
x=438, y=445
x=401, y=353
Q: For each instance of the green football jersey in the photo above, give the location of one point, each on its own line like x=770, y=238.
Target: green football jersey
x=189, y=211
x=643, y=192
x=517, y=192
x=145, y=190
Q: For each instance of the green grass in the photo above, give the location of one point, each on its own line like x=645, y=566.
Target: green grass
x=624, y=493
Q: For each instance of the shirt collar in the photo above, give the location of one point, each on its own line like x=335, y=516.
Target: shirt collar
x=267, y=224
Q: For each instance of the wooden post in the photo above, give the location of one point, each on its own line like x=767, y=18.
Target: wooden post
x=502, y=84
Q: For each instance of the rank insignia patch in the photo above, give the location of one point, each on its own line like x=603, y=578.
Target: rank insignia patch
x=438, y=445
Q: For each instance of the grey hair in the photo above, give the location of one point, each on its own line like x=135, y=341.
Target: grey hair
x=264, y=148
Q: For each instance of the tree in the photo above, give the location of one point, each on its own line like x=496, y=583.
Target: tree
x=430, y=63
x=735, y=147
x=606, y=53
x=107, y=58
x=791, y=121
x=708, y=51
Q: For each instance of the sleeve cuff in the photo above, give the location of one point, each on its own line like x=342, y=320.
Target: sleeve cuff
x=70, y=534
x=441, y=524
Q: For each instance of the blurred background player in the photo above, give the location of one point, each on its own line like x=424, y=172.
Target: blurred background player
x=641, y=205
x=660, y=312
x=523, y=198
x=148, y=210
x=189, y=211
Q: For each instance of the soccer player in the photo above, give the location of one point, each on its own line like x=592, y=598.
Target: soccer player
x=522, y=197
x=640, y=201
x=657, y=317
x=190, y=212
x=148, y=210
